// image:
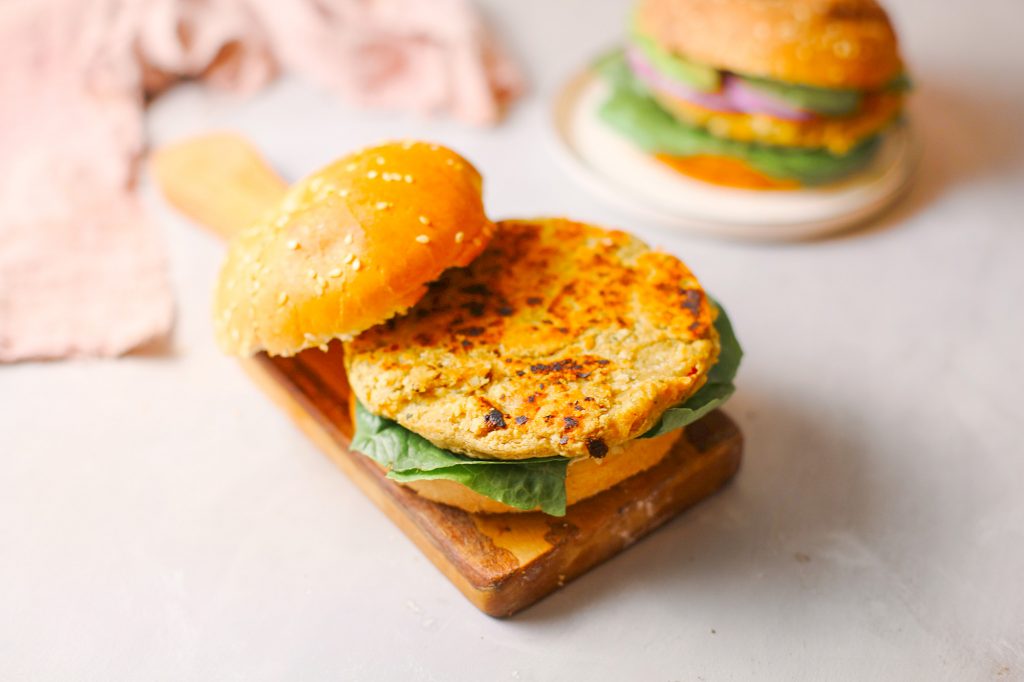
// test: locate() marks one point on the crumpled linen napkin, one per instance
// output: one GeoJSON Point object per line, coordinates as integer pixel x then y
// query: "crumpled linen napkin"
{"type": "Point", "coordinates": [82, 270]}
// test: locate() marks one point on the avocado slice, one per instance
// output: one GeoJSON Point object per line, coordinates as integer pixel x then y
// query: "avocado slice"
{"type": "Point", "coordinates": [697, 76]}
{"type": "Point", "coordinates": [825, 101]}
{"type": "Point", "coordinates": [632, 111]}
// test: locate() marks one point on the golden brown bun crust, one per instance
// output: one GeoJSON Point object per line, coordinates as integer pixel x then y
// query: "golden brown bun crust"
{"type": "Point", "coordinates": [561, 338]}
{"type": "Point", "coordinates": [825, 43]}
{"type": "Point", "coordinates": [350, 246]}
{"type": "Point", "coordinates": [586, 476]}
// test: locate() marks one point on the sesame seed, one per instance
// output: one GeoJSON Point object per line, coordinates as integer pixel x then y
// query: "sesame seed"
{"type": "Point", "coordinates": [408, 178]}
{"type": "Point", "coordinates": [335, 272]}
{"type": "Point", "coordinates": [371, 174]}
{"type": "Point", "coordinates": [450, 162]}
{"type": "Point", "coordinates": [348, 238]}
{"type": "Point", "coordinates": [282, 298]}
{"type": "Point", "coordinates": [343, 193]}
{"type": "Point", "coordinates": [382, 205]}
{"type": "Point", "coordinates": [316, 183]}
{"type": "Point", "coordinates": [350, 167]}
{"type": "Point", "coordinates": [424, 220]}
{"type": "Point", "coordinates": [348, 258]}
{"type": "Point", "coordinates": [323, 347]}
{"type": "Point", "coordinates": [407, 145]}
{"type": "Point", "coordinates": [380, 160]}
{"type": "Point", "coordinates": [293, 244]}
{"type": "Point", "coordinates": [433, 147]}
{"type": "Point", "coordinates": [459, 236]}
{"type": "Point", "coordinates": [356, 264]}
{"type": "Point", "coordinates": [423, 239]}
{"type": "Point", "coordinates": [309, 337]}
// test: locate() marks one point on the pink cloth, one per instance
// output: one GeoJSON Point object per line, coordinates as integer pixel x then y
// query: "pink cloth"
{"type": "Point", "coordinates": [82, 270]}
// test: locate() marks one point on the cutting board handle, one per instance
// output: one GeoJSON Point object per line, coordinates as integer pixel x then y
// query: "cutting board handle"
{"type": "Point", "coordinates": [219, 180]}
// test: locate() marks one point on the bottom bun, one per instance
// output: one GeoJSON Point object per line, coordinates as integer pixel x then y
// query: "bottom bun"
{"type": "Point", "coordinates": [586, 477]}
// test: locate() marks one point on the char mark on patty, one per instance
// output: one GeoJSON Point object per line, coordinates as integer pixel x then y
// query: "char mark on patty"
{"type": "Point", "coordinates": [597, 448]}
{"type": "Point", "coordinates": [556, 366]}
{"type": "Point", "coordinates": [494, 420]}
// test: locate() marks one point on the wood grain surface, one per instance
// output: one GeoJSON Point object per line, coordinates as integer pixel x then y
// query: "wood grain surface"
{"type": "Point", "coordinates": [501, 562]}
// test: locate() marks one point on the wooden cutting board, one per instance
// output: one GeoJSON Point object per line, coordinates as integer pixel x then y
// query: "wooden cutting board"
{"type": "Point", "coordinates": [501, 562]}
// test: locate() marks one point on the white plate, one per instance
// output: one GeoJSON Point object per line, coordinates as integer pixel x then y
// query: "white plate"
{"type": "Point", "coordinates": [618, 172]}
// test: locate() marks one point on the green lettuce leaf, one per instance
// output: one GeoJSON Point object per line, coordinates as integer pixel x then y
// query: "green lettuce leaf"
{"type": "Point", "coordinates": [635, 114]}
{"type": "Point", "coordinates": [525, 483]}
{"type": "Point", "coordinates": [718, 388]}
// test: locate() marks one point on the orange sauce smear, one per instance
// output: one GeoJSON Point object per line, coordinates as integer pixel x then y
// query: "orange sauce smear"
{"type": "Point", "coordinates": [724, 171]}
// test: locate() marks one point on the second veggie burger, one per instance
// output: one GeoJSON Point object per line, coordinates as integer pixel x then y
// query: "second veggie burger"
{"type": "Point", "coordinates": [763, 94]}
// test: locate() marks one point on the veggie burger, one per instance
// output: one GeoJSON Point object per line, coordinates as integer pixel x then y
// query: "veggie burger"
{"type": "Point", "coordinates": [762, 94]}
{"type": "Point", "coordinates": [524, 365]}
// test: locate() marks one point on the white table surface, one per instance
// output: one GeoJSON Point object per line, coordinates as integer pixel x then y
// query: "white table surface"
{"type": "Point", "coordinates": [160, 519]}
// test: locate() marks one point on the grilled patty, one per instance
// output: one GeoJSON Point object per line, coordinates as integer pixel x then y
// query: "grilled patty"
{"type": "Point", "coordinates": [561, 338]}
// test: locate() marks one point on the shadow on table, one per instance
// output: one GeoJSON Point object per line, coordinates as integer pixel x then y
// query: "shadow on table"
{"type": "Point", "coordinates": [968, 134]}
{"type": "Point", "coordinates": [802, 489]}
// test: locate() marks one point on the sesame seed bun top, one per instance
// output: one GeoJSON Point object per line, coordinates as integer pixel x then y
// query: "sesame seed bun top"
{"type": "Point", "coordinates": [825, 43]}
{"type": "Point", "coordinates": [350, 246]}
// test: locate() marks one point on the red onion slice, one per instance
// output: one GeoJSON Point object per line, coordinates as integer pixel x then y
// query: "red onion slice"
{"type": "Point", "coordinates": [734, 97]}
{"type": "Point", "coordinates": [751, 100]}
{"type": "Point", "coordinates": [646, 72]}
